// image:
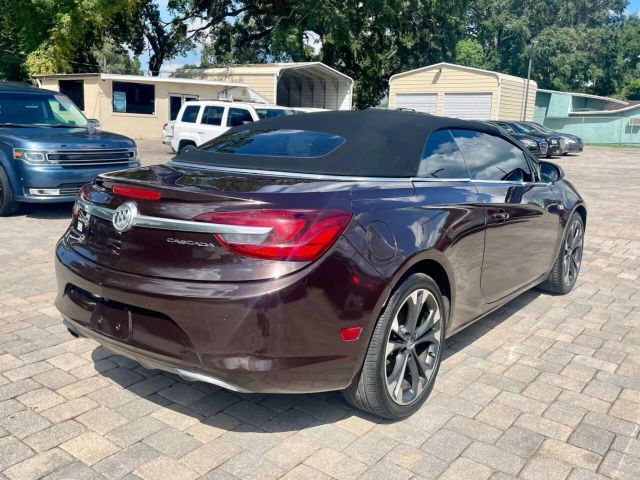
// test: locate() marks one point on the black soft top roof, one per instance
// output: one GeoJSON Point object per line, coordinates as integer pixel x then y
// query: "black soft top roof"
{"type": "Point", "coordinates": [379, 143]}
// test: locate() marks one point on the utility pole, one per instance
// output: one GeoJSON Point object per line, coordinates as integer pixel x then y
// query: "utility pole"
{"type": "Point", "coordinates": [526, 91]}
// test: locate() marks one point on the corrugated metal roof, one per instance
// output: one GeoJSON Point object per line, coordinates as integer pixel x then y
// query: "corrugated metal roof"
{"type": "Point", "coordinates": [461, 67]}
{"type": "Point", "coordinates": [269, 68]}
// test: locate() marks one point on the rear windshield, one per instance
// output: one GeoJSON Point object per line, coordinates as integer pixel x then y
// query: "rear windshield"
{"type": "Point", "coordinates": [275, 143]}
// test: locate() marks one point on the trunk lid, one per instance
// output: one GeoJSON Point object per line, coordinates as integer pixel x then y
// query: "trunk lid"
{"type": "Point", "coordinates": [186, 193]}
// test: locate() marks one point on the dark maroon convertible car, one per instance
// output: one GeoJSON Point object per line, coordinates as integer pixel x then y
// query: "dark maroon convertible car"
{"type": "Point", "coordinates": [328, 251]}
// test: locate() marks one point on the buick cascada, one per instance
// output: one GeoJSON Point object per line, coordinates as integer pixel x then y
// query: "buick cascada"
{"type": "Point", "coordinates": [328, 251]}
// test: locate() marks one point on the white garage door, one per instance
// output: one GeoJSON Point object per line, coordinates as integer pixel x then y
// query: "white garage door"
{"type": "Point", "coordinates": [469, 106]}
{"type": "Point", "coordinates": [420, 102]}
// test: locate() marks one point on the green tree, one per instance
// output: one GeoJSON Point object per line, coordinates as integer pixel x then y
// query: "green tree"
{"type": "Point", "coordinates": [368, 40]}
{"type": "Point", "coordinates": [45, 36]}
{"type": "Point", "coordinates": [470, 53]}
{"type": "Point", "coordinates": [113, 58]}
{"type": "Point", "coordinates": [631, 90]}
{"type": "Point", "coordinates": [578, 41]}
{"type": "Point", "coordinates": [177, 30]}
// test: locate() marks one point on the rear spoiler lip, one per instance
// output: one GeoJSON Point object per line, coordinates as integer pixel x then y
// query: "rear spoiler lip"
{"type": "Point", "coordinates": [162, 223]}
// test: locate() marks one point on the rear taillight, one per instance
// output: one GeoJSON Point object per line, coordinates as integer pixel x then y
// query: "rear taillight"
{"type": "Point", "coordinates": [295, 235]}
{"type": "Point", "coordinates": [136, 192]}
{"type": "Point", "coordinates": [83, 195]}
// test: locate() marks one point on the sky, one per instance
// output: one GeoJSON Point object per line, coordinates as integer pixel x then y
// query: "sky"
{"type": "Point", "coordinates": [193, 57]}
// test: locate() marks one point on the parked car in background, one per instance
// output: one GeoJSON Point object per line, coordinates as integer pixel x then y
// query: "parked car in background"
{"type": "Point", "coordinates": [167, 132]}
{"type": "Point", "coordinates": [48, 149]}
{"type": "Point", "coordinates": [536, 144]}
{"type": "Point", "coordinates": [574, 142]}
{"type": "Point", "coordinates": [203, 120]}
{"type": "Point", "coordinates": [328, 251]}
{"type": "Point", "coordinates": [557, 144]}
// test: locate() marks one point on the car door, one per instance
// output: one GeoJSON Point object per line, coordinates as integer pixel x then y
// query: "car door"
{"type": "Point", "coordinates": [521, 213]}
{"type": "Point", "coordinates": [455, 213]}
{"type": "Point", "coordinates": [210, 124]}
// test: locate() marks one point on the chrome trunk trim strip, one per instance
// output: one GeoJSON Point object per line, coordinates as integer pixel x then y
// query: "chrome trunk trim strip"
{"type": "Point", "coordinates": [160, 223]}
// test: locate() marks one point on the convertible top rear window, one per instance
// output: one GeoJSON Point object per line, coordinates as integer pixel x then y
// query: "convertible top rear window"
{"type": "Point", "coordinates": [276, 143]}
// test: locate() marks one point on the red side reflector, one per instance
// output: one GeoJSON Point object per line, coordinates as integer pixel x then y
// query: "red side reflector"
{"type": "Point", "coordinates": [350, 334]}
{"type": "Point", "coordinates": [136, 192]}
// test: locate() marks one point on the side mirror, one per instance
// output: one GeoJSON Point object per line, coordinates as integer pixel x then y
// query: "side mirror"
{"type": "Point", "coordinates": [94, 122]}
{"type": "Point", "coordinates": [550, 172]}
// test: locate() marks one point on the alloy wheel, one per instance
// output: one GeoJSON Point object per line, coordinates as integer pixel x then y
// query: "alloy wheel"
{"type": "Point", "coordinates": [572, 255]}
{"type": "Point", "coordinates": [413, 346]}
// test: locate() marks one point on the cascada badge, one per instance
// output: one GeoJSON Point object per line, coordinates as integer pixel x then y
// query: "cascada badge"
{"type": "Point", "coordinates": [124, 216]}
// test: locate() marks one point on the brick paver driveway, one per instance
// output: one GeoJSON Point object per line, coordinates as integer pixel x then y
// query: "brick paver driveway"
{"type": "Point", "coordinates": [546, 388]}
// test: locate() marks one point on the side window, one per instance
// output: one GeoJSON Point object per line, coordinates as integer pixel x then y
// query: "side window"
{"type": "Point", "coordinates": [212, 115]}
{"type": "Point", "coordinates": [441, 158]}
{"type": "Point", "coordinates": [238, 116]}
{"type": "Point", "coordinates": [492, 158]}
{"type": "Point", "coordinates": [190, 114]}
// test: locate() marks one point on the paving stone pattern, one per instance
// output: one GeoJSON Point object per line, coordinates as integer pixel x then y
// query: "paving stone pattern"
{"type": "Point", "coordinates": [545, 388]}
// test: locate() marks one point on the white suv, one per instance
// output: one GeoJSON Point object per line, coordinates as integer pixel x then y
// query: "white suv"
{"type": "Point", "coordinates": [201, 120]}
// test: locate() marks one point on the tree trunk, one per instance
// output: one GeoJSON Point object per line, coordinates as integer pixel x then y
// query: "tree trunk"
{"type": "Point", "coordinates": [155, 62]}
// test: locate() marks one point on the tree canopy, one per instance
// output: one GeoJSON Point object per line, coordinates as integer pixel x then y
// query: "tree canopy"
{"type": "Point", "coordinates": [578, 45]}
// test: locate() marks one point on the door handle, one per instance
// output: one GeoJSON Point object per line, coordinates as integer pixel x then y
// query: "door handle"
{"type": "Point", "coordinates": [500, 216]}
{"type": "Point", "coordinates": [201, 132]}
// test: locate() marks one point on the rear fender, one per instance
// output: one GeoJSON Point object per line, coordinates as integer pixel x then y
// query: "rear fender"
{"type": "Point", "coordinates": [409, 266]}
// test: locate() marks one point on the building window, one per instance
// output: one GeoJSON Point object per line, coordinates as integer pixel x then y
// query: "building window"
{"type": "Point", "coordinates": [131, 97]}
{"type": "Point", "coordinates": [74, 89]}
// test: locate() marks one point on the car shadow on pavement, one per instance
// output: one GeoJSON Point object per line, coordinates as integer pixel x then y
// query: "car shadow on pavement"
{"type": "Point", "coordinates": [187, 403]}
{"type": "Point", "coordinates": [470, 334]}
{"type": "Point", "coordinates": [54, 211]}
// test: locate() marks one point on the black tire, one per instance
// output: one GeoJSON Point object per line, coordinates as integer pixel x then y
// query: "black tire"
{"type": "Point", "coordinates": [185, 146]}
{"type": "Point", "coordinates": [8, 204]}
{"type": "Point", "coordinates": [370, 389]}
{"type": "Point", "coordinates": [566, 268]}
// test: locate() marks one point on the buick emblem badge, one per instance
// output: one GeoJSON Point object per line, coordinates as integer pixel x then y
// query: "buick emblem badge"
{"type": "Point", "coordinates": [124, 216]}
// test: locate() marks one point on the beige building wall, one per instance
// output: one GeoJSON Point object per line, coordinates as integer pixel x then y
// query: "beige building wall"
{"type": "Point", "coordinates": [98, 104]}
{"type": "Point", "coordinates": [507, 91]}
{"type": "Point", "coordinates": [512, 96]}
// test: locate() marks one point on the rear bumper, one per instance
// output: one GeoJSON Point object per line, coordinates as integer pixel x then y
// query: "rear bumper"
{"type": "Point", "coordinates": [145, 359]}
{"type": "Point", "coordinates": [276, 336]}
